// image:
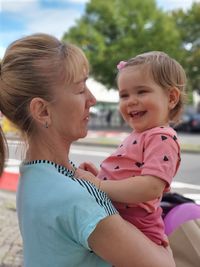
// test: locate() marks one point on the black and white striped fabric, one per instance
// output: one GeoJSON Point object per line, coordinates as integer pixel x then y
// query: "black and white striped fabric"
{"type": "Point", "coordinates": [100, 196]}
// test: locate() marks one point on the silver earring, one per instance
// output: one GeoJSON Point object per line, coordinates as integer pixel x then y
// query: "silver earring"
{"type": "Point", "coordinates": [46, 125]}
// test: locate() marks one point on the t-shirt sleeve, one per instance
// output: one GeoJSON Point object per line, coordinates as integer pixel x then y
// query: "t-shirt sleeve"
{"type": "Point", "coordinates": [87, 211]}
{"type": "Point", "coordinates": [161, 156]}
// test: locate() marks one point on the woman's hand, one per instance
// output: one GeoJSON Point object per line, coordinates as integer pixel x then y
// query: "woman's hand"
{"type": "Point", "coordinates": [86, 175]}
{"type": "Point", "coordinates": [89, 166]}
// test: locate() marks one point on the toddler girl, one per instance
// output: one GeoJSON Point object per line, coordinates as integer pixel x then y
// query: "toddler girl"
{"type": "Point", "coordinates": [151, 90]}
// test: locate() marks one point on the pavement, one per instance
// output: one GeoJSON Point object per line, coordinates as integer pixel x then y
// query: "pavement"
{"type": "Point", "coordinates": [112, 137]}
{"type": "Point", "coordinates": [10, 239]}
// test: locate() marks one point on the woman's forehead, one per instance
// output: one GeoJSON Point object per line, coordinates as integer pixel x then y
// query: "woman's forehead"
{"type": "Point", "coordinates": [82, 75]}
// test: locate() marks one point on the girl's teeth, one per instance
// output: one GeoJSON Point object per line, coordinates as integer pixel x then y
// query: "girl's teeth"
{"type": "Point", "coordinates": [137, 113]}
{"type": "Point", "coordinates": [134, 113]}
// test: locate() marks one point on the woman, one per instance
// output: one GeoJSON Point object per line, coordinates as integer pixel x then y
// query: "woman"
{"type": "Point", "coordinates": [63, 221]}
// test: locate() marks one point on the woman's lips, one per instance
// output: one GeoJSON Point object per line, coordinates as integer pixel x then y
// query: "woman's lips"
{"type": "Point", "coordinates": [86, 118]}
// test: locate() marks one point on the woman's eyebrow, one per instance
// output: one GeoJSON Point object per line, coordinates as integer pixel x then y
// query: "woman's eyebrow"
{"type": "Point", "coordinates": [84, 79]}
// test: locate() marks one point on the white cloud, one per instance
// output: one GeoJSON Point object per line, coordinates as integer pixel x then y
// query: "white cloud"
{"type": "Point", "coordinates": [8, 37]}
{"type": "Point", "coordinates": [2, 51]}
{"type": "Point", "coordinates": [174, 4]}
{"type": "Point", "coordinates": [53, 21]}
{"type": "Point", "coordinates": [77, 1]}
{"type": "Point", "coordinates": [15, 6]}
{"type": "Point", "coordinates": [19, 5]}
{"type": "Point", "coordinates": [35, 19]}
{"type": "Point", "coordinates": [50, 21]}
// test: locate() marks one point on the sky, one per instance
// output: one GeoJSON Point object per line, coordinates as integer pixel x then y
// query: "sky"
{"type": "Point", "coordinates": [23, 17]}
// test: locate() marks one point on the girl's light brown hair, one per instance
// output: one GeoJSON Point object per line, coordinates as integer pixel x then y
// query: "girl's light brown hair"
{"type": "Point", "coordinates": [166, 72]}
{"type": "Point", "coordinates": [34, 66]}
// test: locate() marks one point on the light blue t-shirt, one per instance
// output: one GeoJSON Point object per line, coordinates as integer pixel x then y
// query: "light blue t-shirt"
{"type": "Point", "coordinates": [57, 213]}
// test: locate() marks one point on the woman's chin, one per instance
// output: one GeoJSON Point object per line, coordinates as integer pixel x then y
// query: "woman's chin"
{"type": "Point", "coordinates": [83, 134]}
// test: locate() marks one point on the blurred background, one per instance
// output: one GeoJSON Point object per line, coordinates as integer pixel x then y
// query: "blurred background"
{"type": "Point", "coordinates": [110, 31]}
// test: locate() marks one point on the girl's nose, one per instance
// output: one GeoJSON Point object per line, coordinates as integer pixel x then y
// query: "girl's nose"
{"type": "Point", "coordinates": [133, 100]}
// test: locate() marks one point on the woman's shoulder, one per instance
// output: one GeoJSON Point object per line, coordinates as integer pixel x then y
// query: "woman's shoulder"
{"type": "Point", "coordinates": [61, 184]}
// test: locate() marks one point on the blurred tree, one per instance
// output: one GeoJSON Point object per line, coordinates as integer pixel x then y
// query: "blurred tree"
{"type": "Point", "coordinates": [115, 30]}
{"type": "Point", "coordinates": [188, 24]}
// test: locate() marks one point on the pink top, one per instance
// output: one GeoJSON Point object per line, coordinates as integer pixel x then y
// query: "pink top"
{"type": "Point", "coordinates": [154, 152]}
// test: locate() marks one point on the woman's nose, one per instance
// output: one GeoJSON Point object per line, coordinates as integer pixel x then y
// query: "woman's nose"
{"type": "Point", "coordinates": [91, 99]}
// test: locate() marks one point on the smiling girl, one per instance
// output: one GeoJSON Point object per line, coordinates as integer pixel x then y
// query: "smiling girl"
{"type": "Point", "coordinates": [152, 90]}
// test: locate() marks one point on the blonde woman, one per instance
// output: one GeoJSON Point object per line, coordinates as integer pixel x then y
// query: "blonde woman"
{"type": "Point", "coordinates": [64, 221]}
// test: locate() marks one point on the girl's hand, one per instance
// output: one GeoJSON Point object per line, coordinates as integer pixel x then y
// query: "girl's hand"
{"type": "Point", "coordinates": [89, 166]}
{"type": "Point", "coordinates": [88, 176]}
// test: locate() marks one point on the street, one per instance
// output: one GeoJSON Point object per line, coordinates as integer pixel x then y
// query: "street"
{"type": "Point", "coordinates": [186, 182]}
{"type": "Point", "coordinates": [188, 171]}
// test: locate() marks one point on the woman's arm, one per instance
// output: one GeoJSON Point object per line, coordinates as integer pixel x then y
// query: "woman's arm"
{"type": "Point", "coordinates": [123, 245]}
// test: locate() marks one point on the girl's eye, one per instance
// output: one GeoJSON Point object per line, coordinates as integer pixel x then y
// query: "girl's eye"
{"type": "Point", "coordinates": [123, 95]}
{"type": "Point", "coordinates": [140, 92]}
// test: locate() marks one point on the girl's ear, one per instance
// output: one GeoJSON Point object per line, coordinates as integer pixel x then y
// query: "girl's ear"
{"type": "Point", "coordinates": [39, 109]}
{"type": "Point", "coordinates": [174, 96]}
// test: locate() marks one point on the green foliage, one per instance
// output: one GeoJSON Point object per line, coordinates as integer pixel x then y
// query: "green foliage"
{"type": "Point", "coordinates": [115, 30]}
{"type": "Point", "coordinates": [188, 24]}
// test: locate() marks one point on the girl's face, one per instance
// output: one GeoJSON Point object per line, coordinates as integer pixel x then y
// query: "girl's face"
{"type": "Point", "coordinates": [70, 111]}
{"type": "Point", "coordinates": [143, 103]}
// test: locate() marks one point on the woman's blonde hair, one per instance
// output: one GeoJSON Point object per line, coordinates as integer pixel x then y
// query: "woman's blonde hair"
{"type": "Point", "coordinates": [166, 72]}
{"type": "Point", "coordinates": [34, 66]}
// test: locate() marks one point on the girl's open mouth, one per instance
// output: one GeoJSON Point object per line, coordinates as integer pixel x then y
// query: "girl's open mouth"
{"type": "Point", "coordinates": [137, 114]}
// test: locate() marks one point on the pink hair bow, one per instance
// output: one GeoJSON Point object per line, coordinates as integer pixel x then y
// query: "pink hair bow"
{"type": "Point", "coordinates": [121, 65]}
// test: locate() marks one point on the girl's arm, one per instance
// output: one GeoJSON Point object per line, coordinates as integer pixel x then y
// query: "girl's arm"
{"type": "Point", "coordinates": [134, 189]}
{"type": "Point", "coordinates": [131, 190]}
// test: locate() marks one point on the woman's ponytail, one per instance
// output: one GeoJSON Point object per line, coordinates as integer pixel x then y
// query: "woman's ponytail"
{"type": "Point", "coordinates": [2, 150]}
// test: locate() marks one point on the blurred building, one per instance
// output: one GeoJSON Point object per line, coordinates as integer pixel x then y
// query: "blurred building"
{"type": "Point", "coordinates": [196, 99]}
{"type": "Point", "coordinates": [105, 113]}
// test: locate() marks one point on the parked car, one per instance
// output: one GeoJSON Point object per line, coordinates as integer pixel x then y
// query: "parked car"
{"type": "Point", "coordinates": [190, 122]}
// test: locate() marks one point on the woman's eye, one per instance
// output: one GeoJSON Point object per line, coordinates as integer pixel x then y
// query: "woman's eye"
{"type": "Point", "coordinates": [82, 91]}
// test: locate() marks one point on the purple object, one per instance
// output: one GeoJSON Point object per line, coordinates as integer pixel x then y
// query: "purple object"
{"type": "Point", "coordinates": [179, 215]}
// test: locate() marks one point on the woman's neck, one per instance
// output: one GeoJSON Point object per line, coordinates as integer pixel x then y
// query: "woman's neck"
{"type": "Point", "coordinates": [48, 149]}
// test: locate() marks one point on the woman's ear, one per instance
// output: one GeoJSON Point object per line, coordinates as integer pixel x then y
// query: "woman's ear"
{"type": "Point", "coordinates": [174, 96]}
{"type": "Point", "coordinates": [39, 109]}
